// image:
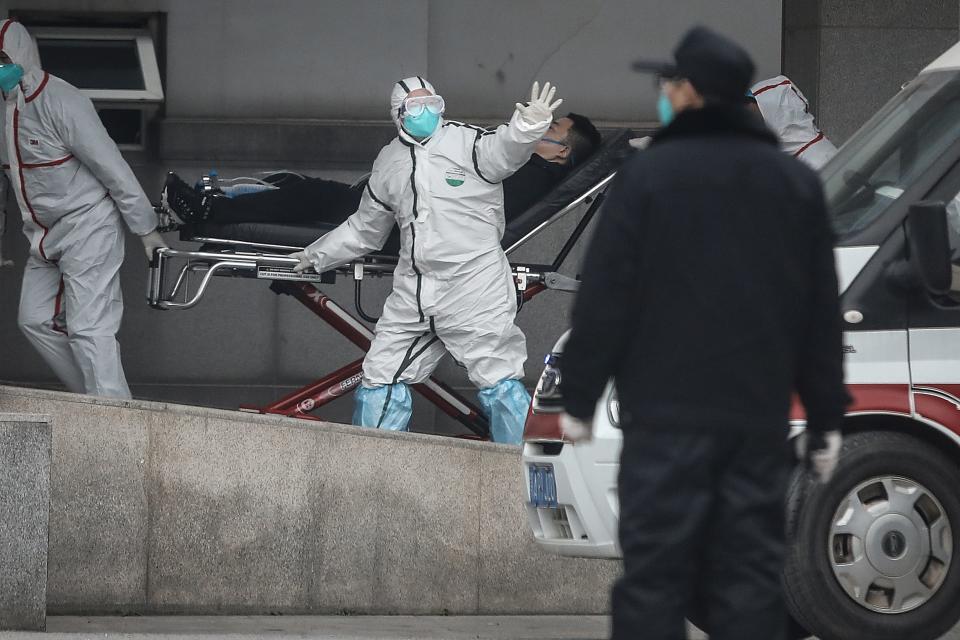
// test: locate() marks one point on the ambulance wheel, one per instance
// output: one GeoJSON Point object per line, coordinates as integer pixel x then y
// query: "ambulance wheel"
{"type": "Point", "coordinates": [875, 554]}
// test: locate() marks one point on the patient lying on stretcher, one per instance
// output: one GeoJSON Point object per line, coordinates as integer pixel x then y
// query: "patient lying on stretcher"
{"type": "Point", "coordinates": [569, 141]}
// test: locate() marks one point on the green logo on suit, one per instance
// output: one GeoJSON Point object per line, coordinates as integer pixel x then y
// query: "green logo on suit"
{"type": "Point", "coordinates": [455, 176]}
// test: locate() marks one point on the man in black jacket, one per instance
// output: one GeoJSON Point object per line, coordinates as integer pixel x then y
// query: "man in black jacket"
{"type": "Point", "coordinates": [568, 141]}
{"type": "Point", "coordinates": [709, 295]}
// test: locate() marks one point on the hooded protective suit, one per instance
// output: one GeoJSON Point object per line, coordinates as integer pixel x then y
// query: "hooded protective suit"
{"type": "Point", "coordinates": [73, 188]}
{"type": "Point", "coordinates": [787, 112]}
{"type": "Point", "coordinates": [452, 289]}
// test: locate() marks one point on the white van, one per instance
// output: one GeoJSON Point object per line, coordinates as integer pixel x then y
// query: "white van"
{"type": "Point", "coordinates": [876, 553]}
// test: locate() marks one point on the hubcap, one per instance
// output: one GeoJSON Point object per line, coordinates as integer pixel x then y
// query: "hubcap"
{"type": "Point", "coordinates": [890, 544]}
{"type": "Point", "coordinates": [894, 544]}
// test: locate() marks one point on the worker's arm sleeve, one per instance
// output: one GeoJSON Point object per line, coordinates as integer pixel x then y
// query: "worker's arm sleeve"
{"type": "Point", "coordinates": [819, 377]}
{"type": "Point", "coordinates": [90, 143]}
{"type": "Point", "coordinates": [601, 311]}
{"type": "Point", "coordinates": [498, 154]}
{"type": "Point", "coordinates": [365, 231]}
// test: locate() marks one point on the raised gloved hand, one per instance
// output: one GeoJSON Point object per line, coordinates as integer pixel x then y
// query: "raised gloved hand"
{"type": "Point", "coordinates": [153, 241]}
{"type": "Point", "coordinates": [304, 263]}
{"type": "Point", "coordinates": [575, 429]}
{"type": "Point", "coordinates": [820, 452]}
{"type": "Point", "coordinates": [539, 109]}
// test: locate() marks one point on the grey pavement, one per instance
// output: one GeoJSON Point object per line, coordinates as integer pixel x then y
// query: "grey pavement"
{"type": "Point", "coordinates": [553, 627]}
{"type": "Point", "coordinates": [321, 628]}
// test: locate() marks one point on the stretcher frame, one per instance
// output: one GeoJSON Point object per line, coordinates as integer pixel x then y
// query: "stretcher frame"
{"type": "Point", "coordinates": [223, 257]}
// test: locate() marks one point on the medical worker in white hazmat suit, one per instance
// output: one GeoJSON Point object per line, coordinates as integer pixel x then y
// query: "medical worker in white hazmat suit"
{"type": "Point", "coordinates": [786, 111]}
{"type": "Point", "coordinates": [453, 289]}
{"type": "Point", "coordinates": [74, 190]}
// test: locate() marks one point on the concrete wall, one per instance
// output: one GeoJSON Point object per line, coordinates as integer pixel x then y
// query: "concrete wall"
{"type": "Point", "coordinates": [338, 59]}
{"type": "Point", "coordinates": [162, 509]}
{"type": "Point", "coordinates": [24, 512]}
{"type": "Point", "coordinates": [851, 56]}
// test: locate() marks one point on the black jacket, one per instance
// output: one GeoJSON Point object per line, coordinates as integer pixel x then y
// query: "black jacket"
{"type": "Point", "coordinates": [709, 291]}
{"type": "Point", "coordinates": [531, 182]}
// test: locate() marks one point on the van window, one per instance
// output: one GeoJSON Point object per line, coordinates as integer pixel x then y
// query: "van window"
{"type": "Point", "coordinates": [892, 150]}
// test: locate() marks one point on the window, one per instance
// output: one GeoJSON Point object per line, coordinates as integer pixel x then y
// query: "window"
{"type": "Point", "coordinates": [125, 126]}
{"type": "Point", "coordinates": [114, 65]}
{"type": "Point", "coordinates": [882, 160]}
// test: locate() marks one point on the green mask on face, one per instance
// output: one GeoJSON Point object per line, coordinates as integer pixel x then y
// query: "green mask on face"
{"type": "Point", "coordinates": [10, 75]}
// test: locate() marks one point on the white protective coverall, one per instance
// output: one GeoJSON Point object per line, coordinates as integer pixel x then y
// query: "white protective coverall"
{"type": "Point", "coordinates": [74, 189]}
{"type": "Point", "coordinates": [452, 288]}
{"type": "Point", "coordinates": [787, 112]}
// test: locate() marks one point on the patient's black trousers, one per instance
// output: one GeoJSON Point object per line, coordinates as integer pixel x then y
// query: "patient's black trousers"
{"type": "Point", "coordinates": [304, 201]}
{"type": "Point", "coordinates": [702, 533]}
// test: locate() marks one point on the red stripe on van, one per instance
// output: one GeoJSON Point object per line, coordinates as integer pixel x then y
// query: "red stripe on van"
{"type": "Point", "coordinates": [868, 398]}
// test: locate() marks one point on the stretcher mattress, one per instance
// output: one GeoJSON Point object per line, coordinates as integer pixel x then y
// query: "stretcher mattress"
{"type": "Point", "coordinates": [601, 163]}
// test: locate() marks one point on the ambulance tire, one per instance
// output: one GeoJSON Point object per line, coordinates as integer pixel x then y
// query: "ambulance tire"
{"type": "Point", "coordinates": [815, 596]}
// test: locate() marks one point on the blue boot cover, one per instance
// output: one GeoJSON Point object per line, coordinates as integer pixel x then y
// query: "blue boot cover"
{"type": "Point", "coordinates": [505, 404]}
{"type": "Point", "coordinates": [387, 407]}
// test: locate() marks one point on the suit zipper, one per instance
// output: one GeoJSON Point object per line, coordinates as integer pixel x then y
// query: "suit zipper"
{"type": "Point", "coordinates": [413, 231]}
{"type": "Point", "coordinates": [413, 261]}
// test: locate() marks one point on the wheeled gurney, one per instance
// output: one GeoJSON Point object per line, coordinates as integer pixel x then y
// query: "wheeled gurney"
{"type": "Point", "coordinates": [178, 279]}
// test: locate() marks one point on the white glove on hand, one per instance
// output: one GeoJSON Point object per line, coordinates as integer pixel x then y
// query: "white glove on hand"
{"type": "Point", "coordinates": [304, 263]}
{"type": "Point", "coordinates": [575, 429]}
{"type": "Point", "coordinates": [820, 452]}
{"type": "Point", "coordinates": [153, 241]}
{"type": "Point", "coordinates": [539, 109]}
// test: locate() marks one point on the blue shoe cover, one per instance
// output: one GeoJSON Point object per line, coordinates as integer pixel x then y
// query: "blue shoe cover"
{"type": "Point", "coordinates": [385, 407]}
{"type": "Point", "coordinates": [506, 404]}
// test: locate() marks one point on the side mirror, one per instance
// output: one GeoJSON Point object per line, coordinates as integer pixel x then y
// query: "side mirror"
{"type": "Point", "coordinates": [929, 245]}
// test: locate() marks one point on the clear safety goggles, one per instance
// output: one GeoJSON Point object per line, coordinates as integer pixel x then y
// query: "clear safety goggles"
{"type": "Point", "coordinates": [417, 105]}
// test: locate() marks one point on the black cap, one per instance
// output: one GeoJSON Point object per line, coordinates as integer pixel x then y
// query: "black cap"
{"type": "Point", "coordinates": [717, 67]}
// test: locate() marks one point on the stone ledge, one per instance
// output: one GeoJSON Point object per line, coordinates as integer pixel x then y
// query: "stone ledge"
{"type": "Point", "coordinates": [163, 509]}
{"type": "Point", "coordinates": [25, 452]}
{"type": "Point", "coordinates": [240, 416]}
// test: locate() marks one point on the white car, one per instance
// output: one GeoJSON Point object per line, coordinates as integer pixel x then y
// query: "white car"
{"type": "Point", "coordinates": [875, 554]}
{"type": "Point", "coordinates": [572, 491]}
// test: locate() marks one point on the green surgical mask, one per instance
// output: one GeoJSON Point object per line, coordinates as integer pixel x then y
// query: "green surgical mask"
{"type": "Point", "coordinates": [10, 75]}
{"type": "Point", "coordinates": [422, 125]}
{"type": "Point", "coordinates": [664, 109]}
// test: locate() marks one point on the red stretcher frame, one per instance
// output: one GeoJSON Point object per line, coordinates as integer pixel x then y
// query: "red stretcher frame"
{"type": "Point", "coordinates": [344, 380]}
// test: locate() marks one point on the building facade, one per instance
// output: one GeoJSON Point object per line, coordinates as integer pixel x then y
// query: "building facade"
{"type": "Point", "coordinates": [248, 86]}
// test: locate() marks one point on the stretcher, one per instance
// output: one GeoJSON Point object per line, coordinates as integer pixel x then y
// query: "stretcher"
{"type": "Point", "coordinates": [178, 279]}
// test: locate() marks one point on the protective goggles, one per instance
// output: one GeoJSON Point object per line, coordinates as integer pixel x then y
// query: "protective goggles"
{"type": "Point", "coordinates": [416, 106]}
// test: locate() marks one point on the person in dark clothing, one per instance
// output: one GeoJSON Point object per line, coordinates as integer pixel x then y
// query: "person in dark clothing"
{"type": "Point", "coordinates": [709, 296]}
{"type": "Point", "coordinates": [569, 140]}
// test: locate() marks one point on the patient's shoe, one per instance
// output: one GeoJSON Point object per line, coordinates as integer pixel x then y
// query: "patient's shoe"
{"type": "Point", "coordinates": [183, 201]}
